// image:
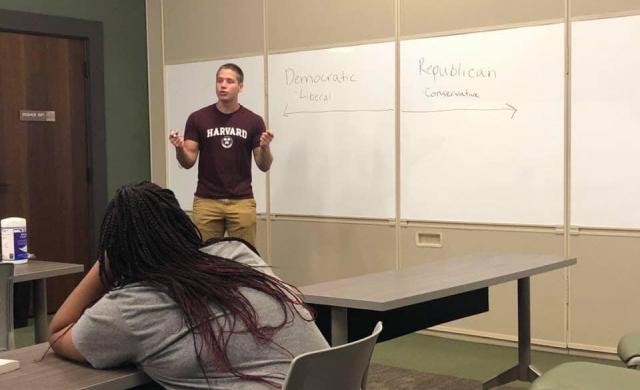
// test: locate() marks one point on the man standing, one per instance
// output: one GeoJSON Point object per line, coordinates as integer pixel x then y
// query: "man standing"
{"type": "Point", "coordinates": [224, 134]}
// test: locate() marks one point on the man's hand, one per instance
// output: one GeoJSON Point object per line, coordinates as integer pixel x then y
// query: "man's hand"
{"type": "Point", "coordinates": [262, 153]}
{"type": "Point", "coordinates": [186, 151]}
{"type": "Point", "coordinates": [265, 138]}
{"type": "Point", "coordinates": [177, 139]}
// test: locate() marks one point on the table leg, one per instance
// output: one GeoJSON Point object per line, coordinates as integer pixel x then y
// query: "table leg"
{"type": "Point", "coordinates": [40, 308]}
{"type": "Point", "coordinates": [339, 326]}
{"type": "Point", "coordinates": [523, 371]}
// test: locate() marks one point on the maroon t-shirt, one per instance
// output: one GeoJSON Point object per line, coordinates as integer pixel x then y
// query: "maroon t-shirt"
{"type": "Point", "coordinates": [226, 143]}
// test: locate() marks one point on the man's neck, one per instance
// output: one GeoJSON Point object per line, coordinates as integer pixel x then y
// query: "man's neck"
{"type": "Point", "coordinates": [228, 108]}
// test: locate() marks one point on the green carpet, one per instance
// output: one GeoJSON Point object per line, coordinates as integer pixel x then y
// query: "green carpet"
{"type": "Point", "coordinates": [462, 359]}
{"type": "Point", "coordinates": [393, 378]}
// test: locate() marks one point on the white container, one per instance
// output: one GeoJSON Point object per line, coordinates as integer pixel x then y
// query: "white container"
{"type": "Point", "coordinates": [13, 233]}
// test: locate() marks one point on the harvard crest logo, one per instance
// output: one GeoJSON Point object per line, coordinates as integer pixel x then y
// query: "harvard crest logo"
{"type": "Point", "coordinates": [226, 142]}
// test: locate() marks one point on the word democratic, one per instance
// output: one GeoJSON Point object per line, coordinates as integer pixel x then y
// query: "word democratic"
{"type": "Point", "coordinates": [294, 78]}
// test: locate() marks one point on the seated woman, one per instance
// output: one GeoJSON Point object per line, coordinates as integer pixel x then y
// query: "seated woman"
{"type": "Point", "coordinates": [188, 316]}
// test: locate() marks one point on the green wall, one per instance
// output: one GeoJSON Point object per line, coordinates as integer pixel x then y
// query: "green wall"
{"type": "Point", "coordinates": [125, 72]}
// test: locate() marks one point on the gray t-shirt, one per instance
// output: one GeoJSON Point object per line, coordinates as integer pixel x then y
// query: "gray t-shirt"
{"type": "Point", "coordinates": [142, 325]}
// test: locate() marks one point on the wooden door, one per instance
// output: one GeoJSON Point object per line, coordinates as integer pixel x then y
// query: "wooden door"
{"type": "Point", "coordinates": [44, 174]}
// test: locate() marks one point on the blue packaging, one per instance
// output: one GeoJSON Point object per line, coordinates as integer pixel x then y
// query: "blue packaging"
{"type": "Point", "coordinates": [14, 240]}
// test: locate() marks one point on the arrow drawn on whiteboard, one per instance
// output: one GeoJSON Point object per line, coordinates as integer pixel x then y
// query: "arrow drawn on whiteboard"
{"type": "Point", "coordinates": [508, 107]}
{"type": "Point", "coordinates": [287, 113]}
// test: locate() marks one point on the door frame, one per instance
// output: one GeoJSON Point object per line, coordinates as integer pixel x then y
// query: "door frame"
{"type": "Point", "coordinates": [91, 32]}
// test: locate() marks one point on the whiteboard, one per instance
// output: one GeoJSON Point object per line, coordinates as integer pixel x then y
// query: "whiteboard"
{"type": "Point", "coordinates": [605, 135]}
{"type": "Point", "coordinates": [482, 127]}
{"type": "Point", "coordinates": [332, 112]}
{"type": "Point", "coordinates": [190, 87]}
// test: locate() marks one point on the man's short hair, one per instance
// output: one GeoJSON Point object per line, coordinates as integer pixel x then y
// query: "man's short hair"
{"type": "Point", "coordinates": [234, 68]}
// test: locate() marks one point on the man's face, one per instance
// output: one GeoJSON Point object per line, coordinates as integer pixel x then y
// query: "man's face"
{"type": "Point", "coordinates": [227, 86]}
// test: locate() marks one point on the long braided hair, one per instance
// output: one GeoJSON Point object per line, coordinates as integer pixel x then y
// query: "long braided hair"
{"type": "Point", "coordinates": [147, 238]}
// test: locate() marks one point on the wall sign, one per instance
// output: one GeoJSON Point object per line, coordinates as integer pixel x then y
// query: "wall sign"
{"type": "Point", "coordinates": [37, 116]}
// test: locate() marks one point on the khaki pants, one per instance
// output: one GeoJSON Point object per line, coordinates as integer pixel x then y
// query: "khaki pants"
{"type": "Point", "coordinates": [235, 216]}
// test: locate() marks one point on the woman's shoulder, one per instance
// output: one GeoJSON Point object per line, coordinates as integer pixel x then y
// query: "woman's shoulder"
{"type": "Point", "coordinates": [137, 302]}
{"type": "Point", "coordinates": [238, 251]}
{"type": "Point", "coordinates": [135, 293]}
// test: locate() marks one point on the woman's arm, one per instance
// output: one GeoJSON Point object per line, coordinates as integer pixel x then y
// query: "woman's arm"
{"type": "Point", "coordinates": [86, 293]}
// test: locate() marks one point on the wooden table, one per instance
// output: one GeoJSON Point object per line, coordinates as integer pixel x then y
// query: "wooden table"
{"type": "Point", "coordinates": [38, 272]}
{"type": "Point", "coordinates": [55, 373]}
{"type": "Point", "coordinates": [386, 292]}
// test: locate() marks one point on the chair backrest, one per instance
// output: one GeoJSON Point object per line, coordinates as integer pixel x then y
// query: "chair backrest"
{"type": "Point", "coordinates": [629, 349]}
{"type": "Point", "coordinates": [6, 306]}
{"type": "Point", "coordinates": [340, 368]}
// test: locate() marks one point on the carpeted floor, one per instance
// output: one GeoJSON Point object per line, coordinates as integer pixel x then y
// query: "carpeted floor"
{"type": "Point", "coordinates": [392, 378]}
